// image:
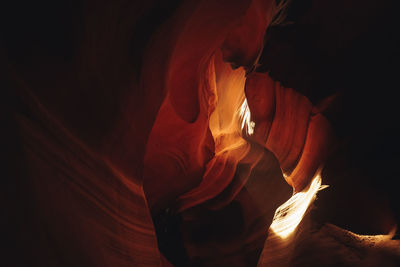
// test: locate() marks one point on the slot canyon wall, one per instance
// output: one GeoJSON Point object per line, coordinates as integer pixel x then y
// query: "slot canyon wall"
{"type": "Point", "coordinates": [168, 133]}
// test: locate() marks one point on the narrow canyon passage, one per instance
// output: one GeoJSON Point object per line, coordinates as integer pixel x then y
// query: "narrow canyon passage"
{"type": "Point", "coordinates": [200, 133]}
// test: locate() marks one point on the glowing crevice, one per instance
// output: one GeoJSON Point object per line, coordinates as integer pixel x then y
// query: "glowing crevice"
{"type": "Point", "coordinates": [289, 215]}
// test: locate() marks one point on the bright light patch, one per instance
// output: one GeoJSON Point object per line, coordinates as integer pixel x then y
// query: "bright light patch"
{"type": "Point", "coordinates": [245, 116]}
{"type": "Point", "coordinates": [288, 216]}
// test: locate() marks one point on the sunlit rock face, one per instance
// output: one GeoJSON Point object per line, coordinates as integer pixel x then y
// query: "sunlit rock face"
{"type": "Point", "coordinates": [172, 134]}
{"type": "Point", "coordinates": [288, 125]}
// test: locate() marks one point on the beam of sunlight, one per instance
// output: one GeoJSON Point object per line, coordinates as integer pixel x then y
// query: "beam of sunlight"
{"type": "Point", "coordinates": [245, 117]}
